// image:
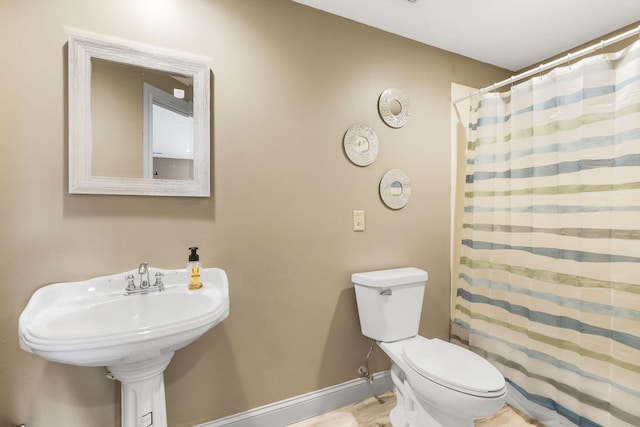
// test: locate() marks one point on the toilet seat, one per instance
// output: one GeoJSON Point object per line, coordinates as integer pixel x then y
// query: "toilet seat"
{"type": "Point", "coordinates": [453, 367]}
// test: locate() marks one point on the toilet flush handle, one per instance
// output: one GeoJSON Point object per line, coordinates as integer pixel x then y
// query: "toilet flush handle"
{"type": "Point", "coordinates": [386, 292]}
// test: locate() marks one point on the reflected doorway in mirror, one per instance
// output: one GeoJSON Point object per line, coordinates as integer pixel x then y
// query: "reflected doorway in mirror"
{"type": "Point", "coordinates": [167, 136]}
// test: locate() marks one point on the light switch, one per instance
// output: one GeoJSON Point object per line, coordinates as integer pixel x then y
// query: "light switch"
{"type": "Point", "coordinates": [358, 220]}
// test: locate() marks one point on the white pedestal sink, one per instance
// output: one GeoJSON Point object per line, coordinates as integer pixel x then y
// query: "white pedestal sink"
{"type": "Point", "coordinates": [93, 323]}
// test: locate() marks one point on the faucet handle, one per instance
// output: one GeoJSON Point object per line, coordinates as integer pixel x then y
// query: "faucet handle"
{"type": "Point", "coordinates": [130, 283]}
{"type": "Point", "coordinates": [159, 276]}
{"type": "Point", "coordinates": [143, 268]}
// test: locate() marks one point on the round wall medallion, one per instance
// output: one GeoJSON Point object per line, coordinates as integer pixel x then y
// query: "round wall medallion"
{"type": "Point", "coordinates": [395, 189]}
{"type": "Point", "coordinates": [361, 144]}
{"type": "Point", "coordinates": [393, 106]}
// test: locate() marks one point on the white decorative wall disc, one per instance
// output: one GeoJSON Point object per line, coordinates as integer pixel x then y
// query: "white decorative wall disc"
{"type": "Point", "coordinates": [395, 189]}
{"type": "Point", "coordinates": [361, 144]}
{"type": "Point", "coordinates": [393, 106]}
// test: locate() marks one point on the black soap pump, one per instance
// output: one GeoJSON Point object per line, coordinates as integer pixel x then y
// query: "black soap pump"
{"type": "Point", "coordinates": [193, 267]}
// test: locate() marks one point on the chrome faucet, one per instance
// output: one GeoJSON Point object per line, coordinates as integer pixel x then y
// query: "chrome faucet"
{"type": "Point", "coordinates": [142, 270]}
{"type": "Point", "coordinates": [145, 286]}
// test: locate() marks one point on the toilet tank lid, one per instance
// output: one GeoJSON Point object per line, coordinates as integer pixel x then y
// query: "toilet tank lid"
{"type": "Point", "coordinates": [391, 277]}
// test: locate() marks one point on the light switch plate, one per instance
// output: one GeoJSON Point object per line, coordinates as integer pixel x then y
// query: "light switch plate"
{"type": "Point", "coordinates": [358, 220]}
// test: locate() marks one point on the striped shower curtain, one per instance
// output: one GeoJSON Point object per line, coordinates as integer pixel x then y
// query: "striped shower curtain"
{"type": "Point", "coordinates": [548, 281]}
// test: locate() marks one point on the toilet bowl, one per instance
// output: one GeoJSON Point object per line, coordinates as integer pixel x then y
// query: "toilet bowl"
{"type": "Point", "coordinates": [437, 383]}
{"type": "Point", "coordinates": [452, 386]}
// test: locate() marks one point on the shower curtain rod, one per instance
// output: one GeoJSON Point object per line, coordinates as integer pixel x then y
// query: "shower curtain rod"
{"type": "Point", "coordinates": [543, 67]}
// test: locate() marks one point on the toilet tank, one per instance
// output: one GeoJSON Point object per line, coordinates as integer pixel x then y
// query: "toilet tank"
{"type": "Point", "coordinates": [390, 302]}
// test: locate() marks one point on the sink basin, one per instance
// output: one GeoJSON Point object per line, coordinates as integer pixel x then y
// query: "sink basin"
{"type": "Point", "coordinates": [93, 323]}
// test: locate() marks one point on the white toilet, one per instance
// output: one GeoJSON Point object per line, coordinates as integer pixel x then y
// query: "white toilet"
{"type": "Point", "coordinates": [437, 383]}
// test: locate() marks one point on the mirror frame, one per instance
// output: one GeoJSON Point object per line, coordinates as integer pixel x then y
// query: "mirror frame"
{"type": "Point", "coordinates": [82, 47]}
{"type": "Point", "coordinates": [386, 99]}
{"type": "Point", "coordinates": [388, 195]}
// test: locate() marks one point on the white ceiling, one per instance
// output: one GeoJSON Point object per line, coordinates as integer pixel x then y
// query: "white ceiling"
{"type": "Point", "coordinates": [511, 34]}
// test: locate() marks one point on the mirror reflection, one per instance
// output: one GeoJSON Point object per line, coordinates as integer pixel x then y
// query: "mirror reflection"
{"type": "Point", "coordinates": [142, 122]}
{"type": "Point", "coordinates": [362, 144]}
{"type": "Point", "coordinates": [168, 134]}
{"type": "Point", "coordinates": [395, 107]}
{"type": "Point", "coordinates": [395, 188]}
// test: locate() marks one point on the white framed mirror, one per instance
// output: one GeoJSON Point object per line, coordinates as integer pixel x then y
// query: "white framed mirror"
{"type": "Point", "coordinates": [138, 119]}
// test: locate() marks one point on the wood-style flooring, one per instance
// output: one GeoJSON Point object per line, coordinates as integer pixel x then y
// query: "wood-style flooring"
{"type": "Point", "coordinates": [371, 413]}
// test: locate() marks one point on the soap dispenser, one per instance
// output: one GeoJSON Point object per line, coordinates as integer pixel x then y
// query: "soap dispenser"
{"type": "Point", "coordinates": [193, 268]}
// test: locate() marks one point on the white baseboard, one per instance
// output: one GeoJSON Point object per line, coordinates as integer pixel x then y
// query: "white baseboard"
{"type": "Point", "coordinates": [308, 405]}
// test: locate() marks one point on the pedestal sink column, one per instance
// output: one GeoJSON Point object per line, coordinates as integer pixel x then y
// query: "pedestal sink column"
{"type": "Point", "coordinates": [143, 401]}
{"type": "Point", "coordinates": [95, 323]}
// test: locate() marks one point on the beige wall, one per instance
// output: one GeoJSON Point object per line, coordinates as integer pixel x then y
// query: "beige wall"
{"type": "Point", "coordinates": [288, 81]}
